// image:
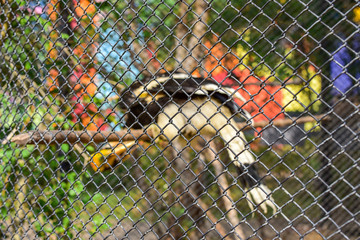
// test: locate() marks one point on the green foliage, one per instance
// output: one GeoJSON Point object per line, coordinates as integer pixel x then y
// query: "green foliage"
{"type": "Point", "coordinates": [9, 115]}
{"type": "Point", "coordinates": [29, 51]}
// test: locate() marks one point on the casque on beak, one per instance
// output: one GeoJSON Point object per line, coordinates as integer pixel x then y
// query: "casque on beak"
{"type": "Point", "coordinates": [107, 158]}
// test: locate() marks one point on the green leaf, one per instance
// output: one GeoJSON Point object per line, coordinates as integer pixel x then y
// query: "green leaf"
{"type": "Point", "coordinates": [26, 153]}
{"type": "Point", "coordinates": [37, 226]}
{"type": "Point", "coordinates": [27, 66]}
{"type": "Point", "coordinates": [66, 222]}
{"type": "Point", "coordinates": [8, 154]}
{"type": "Point", "coordinates": [65, 36]}
{"type": "Point", "coordinates": [60, 229]}
{"type": "Point", "coordinates": [54, 202]}
{"type": "Point", "coordinates": [60, 193]}
{"type": "Point", "coordinates": [60, 213]}
{"type": "Point", "coordinates": [72, 193]}
{"type": "Point", "coordinates": [98, 198]}
{"type": "Point", "coordinates": [78, 187]}
{"type": "Point", "coordinates": [4, 212]}
{"type": "Point", "coordinates": [90, 148]}
{"type": "Point", "coordinates": [65, 147]}
{"type": "Point", "coordinates": [85, 198]}
{"type": "Point", "coordinates": [72, 176]}
{"type": "Point", "coordinates": [48, 229]}
{"type": "Point", "coordinates": [98, 219]}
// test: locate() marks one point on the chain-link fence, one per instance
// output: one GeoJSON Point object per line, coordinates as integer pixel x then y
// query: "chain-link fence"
{"type": "Point", "coordinates": [179, 119]}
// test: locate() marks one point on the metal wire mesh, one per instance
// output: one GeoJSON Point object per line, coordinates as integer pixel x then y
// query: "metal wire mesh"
{"type": "Point", "coordinates": [64, 66]}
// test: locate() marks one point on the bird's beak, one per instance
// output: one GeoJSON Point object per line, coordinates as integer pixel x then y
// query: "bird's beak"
{"type": "Point", "coordinates": [107, 158]}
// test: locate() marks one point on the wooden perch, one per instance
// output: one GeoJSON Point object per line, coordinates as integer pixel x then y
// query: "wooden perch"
{"type": "Point", "coordinates": [65, 136]}
{"type": "Point", "coordinates": [286, 122]}
{"type": "Point", "coordinates": [73, 137]}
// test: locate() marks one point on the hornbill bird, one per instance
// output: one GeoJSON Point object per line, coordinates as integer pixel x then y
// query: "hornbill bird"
{"type": "Point", "coordinates": [178, 105]}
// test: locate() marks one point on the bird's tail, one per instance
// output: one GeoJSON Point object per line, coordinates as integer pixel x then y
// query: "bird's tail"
{"type": "Point", "coordinates": [259, 194]}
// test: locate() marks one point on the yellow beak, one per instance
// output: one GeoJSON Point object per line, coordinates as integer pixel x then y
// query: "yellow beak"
{"type": "Point", "coordinates": [108, 157]}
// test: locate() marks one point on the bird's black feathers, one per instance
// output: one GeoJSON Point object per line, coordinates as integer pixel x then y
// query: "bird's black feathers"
{"type": "Point", "coordinates": [145, 99]}
{"type": "Point", "coordinates": [142, 113]}
{"type": "Point", "coordinates": [248, 175]}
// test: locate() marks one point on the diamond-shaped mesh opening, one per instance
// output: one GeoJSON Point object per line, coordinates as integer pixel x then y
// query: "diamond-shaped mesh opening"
{"type": "Point", "coordinates": [179, 119]}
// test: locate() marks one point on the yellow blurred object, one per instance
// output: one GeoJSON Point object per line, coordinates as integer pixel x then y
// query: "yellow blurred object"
{"type": "Point", "coordinates": [299, 97]}
{"type": "Point", "coordinates": [357, 14]}
{"type": "Point", "coordinates": [107, 158]}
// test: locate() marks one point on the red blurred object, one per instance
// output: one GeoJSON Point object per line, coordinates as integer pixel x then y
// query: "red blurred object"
{"type": "Point", "coordinates": [263, 101]}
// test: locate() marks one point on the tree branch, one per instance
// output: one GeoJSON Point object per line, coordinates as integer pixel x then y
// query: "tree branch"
{"type": "Point", "coordinates": [189, 51]}
{"type": "Point", "coordinates": [229, 203]}
{"type": "Point", "coordinates": [72, 137]}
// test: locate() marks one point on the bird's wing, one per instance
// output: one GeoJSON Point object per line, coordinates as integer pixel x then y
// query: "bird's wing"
{"type": "Point", "coordinates": [176, 84]}
{"type": "Point", "coordinates": [180, 86]}
{"type": "Point", "coordinates": [226, 96]}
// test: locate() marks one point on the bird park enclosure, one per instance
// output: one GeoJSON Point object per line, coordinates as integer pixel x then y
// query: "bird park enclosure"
{"type": "Point", "coordinates": [191, 119]}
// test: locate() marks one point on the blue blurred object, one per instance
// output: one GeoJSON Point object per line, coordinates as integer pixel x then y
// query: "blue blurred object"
{"type": "Point", "coordinates": [345, 68]}
{"type": "Point", "coordinates": [114, 56]}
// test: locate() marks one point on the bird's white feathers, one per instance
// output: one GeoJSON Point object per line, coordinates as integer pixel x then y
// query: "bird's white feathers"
{"type": "Point", "coordinates": [232, 93]}
{"type": "Point", "coordinates": [261, 196]}
{"type": "Point", "coordinates": [199, 117]}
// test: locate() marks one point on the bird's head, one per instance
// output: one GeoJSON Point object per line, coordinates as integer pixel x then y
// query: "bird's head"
{"type": "Point", "coordinates": [107, 158]}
